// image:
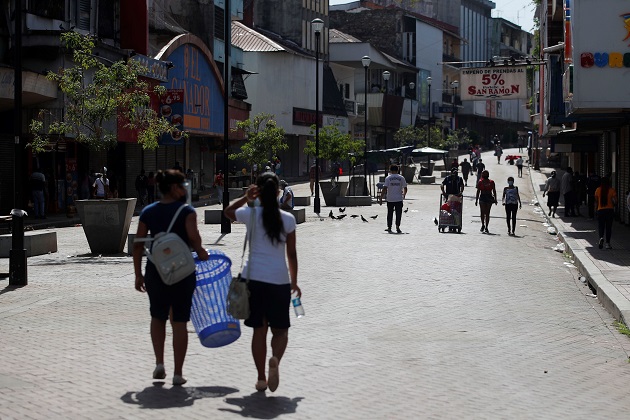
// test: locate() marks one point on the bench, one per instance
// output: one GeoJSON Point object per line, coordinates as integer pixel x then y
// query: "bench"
{"type": "Point", "coordinates": [302, 201]}
{"type": "Point", "coordinates": [299, 214]}
{"type": "Point", "coordinates": [427, 180]}
{"type": "Point", "coordinates": [35, 242]}
{"type": "Point", "coordinates": [354, 201]}
{"type": "Point", "coordinates": [212, 216]}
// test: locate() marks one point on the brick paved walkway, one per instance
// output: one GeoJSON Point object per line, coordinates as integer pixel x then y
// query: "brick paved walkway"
{"type": "Point", "coordinates": [417, 325]}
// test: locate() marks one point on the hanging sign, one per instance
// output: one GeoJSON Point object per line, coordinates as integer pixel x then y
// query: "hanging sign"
{"type": "Point", "coordinates": [172, 108]}
{"type": "Point", "coordinates": [493, 83]}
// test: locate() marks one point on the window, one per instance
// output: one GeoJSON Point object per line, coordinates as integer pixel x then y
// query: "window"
{"type": "Point", "coordinates": [346, 91]}
{"type": "Point", "coordinates": [219, 23]}
{"type": "Point", "coordinates": [52, 9]}
{"type": "Point", "coordinates": [108, 24]}
{"type": "Point", "coordinates": [84, 11]}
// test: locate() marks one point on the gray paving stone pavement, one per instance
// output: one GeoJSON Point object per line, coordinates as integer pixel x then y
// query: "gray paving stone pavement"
{"type": "Point", "coordinates": [414, 325]}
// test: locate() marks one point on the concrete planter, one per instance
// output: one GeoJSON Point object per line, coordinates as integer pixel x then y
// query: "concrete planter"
{"type": "Point", "coordinates": [408, 173]}
{"type": "Point", "coordinates": [106, 223]}
{"type": "Point", "coordinates": [330, 194]}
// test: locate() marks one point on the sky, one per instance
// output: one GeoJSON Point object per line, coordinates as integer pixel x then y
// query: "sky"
{"type": "Point", "coordinates": [520, 12]}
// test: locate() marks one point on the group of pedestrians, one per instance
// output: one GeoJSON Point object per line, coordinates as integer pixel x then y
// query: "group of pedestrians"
{"type": "Point", "coordinates": [597, 191]}
{"type": "Point", "coordinates": [271, 265]}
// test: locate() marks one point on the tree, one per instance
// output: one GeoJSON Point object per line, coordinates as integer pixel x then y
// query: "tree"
{"type": "Point", "coordinates": [408, 136]}
{"type": "Point", "coordinates": [95, 95]}
{"type": "Point", "coordinates": [264, 140]}
{"type": "Point", "coordinates": [333, 144]}
{"type": "Point", "coordinates": [455, 139]}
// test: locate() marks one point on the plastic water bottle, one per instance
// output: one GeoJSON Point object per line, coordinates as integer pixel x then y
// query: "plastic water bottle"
{"type": "Point", "coordinates": [297, 305]}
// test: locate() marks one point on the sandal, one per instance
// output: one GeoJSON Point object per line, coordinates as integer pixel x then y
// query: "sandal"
{"type": "Point", "coordinates": [179, 380]}
{"type": "Point", "coordinates": [261, 385]}
{"type": "Point", "coordinates": [274, 374]}
{"type": "Point", "coordinates": [159, 372]}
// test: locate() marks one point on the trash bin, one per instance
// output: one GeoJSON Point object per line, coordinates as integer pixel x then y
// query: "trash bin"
{"type": "Point", "coordinates": [214, 326]}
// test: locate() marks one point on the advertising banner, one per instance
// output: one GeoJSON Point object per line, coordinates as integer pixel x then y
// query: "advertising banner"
{"type": "Point", "coordinates": [172, 108]}
{"type": "Point", "coordinates": [492, 83]}
{"type": "Point", "coordinates": [601, 55]}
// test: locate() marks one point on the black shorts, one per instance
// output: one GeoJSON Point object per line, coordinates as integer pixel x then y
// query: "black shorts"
{"type": "Point", "coordinates": [270, 301]}
{"type": "Point", "coordinates": [163, 297]}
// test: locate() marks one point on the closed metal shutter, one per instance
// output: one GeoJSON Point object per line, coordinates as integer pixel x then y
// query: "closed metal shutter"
{"type": "Point", "coordinates": [603, 155]}
{"type": "Point", "coordinates": [133, 165]}
{"type": "Point", "coordinates": [97, 160]}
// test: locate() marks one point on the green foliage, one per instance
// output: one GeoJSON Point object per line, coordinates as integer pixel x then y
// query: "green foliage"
{"type": "Point", "coordinates": [407, 136]}
{"type": "Point", "coordinates": [622, 328]}
{"type": "Point", "coordinates": [455, 139]}
{"type": "Point", "coordinates": [333, 144]}
{"type": "Point", "coordinates": [418, 137]}
{"type": "Point", "coordinates": [96, 95]}
{"type": "Point", "coordinates": [264, 140]}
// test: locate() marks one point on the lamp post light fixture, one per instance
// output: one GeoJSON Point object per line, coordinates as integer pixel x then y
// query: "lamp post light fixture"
{"type": "Point", "coordinates": [366, 63]}
{"type": "Point", "coordinates": [454, 85]}
{"type": "Point", "coordinates": [412, 86]}
{"type": "Point", "coordinates": [429, 125]}
{"type": "Point", "coordinates": [386, 75]}
{"type": "Point", "coordinates": [318, 25]}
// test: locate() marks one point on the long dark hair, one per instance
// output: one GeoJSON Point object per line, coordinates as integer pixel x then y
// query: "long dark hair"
{"type": "Point", "coordinates": [272, 221]}
{"type": "Point", "coordinates": [167, 178]}
{"type": "Point", "coordinates": [603, 192]}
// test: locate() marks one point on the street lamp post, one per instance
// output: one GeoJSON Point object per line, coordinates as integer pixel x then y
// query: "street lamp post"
{"type": "Point", "coordinates": [454, 85]}
{"type": "Point", "coordinates": [318, 25]}
{"type": "Point", "coordinates": [366, 63]}
{"type": "Point", "coordinates": [386, 75]}
{"type": "Point", "coordinates": [429, 125]}
{"type": "Point", "coordinates": [412, 86]}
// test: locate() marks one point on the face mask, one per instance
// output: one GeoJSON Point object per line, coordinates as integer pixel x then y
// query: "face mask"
{"type": "Point", "coordinates": [510, 183]}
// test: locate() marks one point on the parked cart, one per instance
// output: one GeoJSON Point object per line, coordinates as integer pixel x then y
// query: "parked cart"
{"type": "Point", "coordinates": [450, 213]}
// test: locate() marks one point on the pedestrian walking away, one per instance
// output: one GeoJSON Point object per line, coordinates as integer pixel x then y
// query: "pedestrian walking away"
{"type": "Point", "coordinates": [512, 201]}
{"type": "Point", "coordinates": [485, 198]}
{"type": "Point", "coordinates": [394, 191]}
{"type": "Point", "coordinates": [552, 190]}
{"type": "Point", "coordinates": [466, 167]}
{"type": "Point", "coordinates": [219, 182]}
{"type": "Point", "coordinates": [498, 151]}
{"type": "Point", "coordinates": [480, 168]}
{"type": "Point", "coordinates": [566, 189]}
{"type": "Point", "coordinates": [38, 189]}
{"type": "Point", "coordinates": [606, 200]}
{"type": "Point", "coordinates": [519, 166]}
{"type": "Point", "coordinates": [271, 282]}
{"type": "Point", "coordinates": [592, 183]}
{"type": "Point", "coordinates": [311, 175]}
{"type": "Point", "coordinates": [168, 301]}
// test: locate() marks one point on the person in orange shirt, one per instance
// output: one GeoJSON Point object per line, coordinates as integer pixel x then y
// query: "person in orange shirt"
{"type": "Point", "coordinates": [605, 202]}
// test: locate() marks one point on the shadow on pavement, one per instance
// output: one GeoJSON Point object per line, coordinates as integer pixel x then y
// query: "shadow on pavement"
{"type": "Point", "coordinates": [258, 405]}
{"type": "Point", "coordinates": [9, 288]}
{"type": "Point", "coordinates": [158, 397]}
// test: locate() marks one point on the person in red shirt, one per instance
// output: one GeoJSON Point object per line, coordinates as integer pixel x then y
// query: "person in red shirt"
{"type": "Point", "coordinates": [486, 197]}
{"type": "Point", "coordinates": [218, 183]}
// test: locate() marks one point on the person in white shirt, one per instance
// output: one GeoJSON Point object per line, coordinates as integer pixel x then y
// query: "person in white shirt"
{"type": "Point", "coordinates": [101, 186]}
{"type": "Point", "coordinates": [271, 268]}
{"type": "Point", "coordinates": [519, 166]}
{"type": "Point", "coordinates": [394, 190]}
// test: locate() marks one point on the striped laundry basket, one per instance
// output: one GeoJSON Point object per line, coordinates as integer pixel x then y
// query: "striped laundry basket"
{"type": "Point", "coordinates": [214, 326]}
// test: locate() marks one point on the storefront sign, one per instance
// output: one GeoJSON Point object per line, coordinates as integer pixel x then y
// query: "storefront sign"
{"type": "Point", "coordinates": [505, 82]}
{"type": "Point", "coordinates": [601, 55]}
{"type": "Point", "coordinates": [172, 108]}
{"type": "Point", "coordinates": [203, 97]}
{"type": "Point", "coordinates": [155, 69]}
{"type": "Point", "coordinates": [305, 117]}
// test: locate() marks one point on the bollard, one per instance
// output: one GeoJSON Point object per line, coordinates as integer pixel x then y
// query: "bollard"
{"type": "Point", "coordinates": [17, 254]}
